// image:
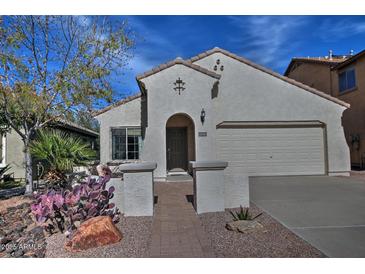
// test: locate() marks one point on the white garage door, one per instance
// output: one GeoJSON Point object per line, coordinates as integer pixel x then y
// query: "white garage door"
{"type": "Point", "coordinates": [272, 150]}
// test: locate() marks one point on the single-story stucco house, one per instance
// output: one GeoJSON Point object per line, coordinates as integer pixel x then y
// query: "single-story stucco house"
{"type": "Point", "coordinates": [12, 147]}
{"type": "Point", "coordinates": [220, 106]}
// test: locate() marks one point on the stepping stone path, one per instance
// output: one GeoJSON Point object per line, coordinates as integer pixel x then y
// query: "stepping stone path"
{"type": "Point", "coordinates": [176, 229]}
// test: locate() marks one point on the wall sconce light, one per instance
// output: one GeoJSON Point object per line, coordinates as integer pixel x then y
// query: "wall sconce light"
{"type": "Point", "coordinates": [202, 116]}
{"type": "Point", "coordinates": [355, 141]}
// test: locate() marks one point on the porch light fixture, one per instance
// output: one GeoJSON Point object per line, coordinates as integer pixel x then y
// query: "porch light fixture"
{"type": "Point", "coordinates": [202, 116]}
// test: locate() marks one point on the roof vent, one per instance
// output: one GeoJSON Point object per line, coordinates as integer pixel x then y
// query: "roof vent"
{"type": "Point", "coordinates": [331, 54]}
{"type": "Point", "coordinates": [178, 58]}
{"type": "Point", "coordinates": [351, 52]}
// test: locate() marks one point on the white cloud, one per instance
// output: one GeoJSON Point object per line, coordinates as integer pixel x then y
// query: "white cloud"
{"type": "Point", "coordinates": [140, 64]}
{"type": "Point", "coordinates": [265, 39]}
{"type": "Point", "coordinates": [153, 47]}
{"type": "Point", "coordinates": [334, 28]}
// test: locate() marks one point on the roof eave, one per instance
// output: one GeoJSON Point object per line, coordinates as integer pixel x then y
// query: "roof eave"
{"type": "Point", "coordinates": [75, 127]}
{"type": "Point", "coordinates": [349, 61]}
{"type": "Point", "coordinates": [177, 62]}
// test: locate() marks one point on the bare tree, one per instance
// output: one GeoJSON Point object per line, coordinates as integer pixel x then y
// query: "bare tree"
{"type": "Point", "coordinates": [53, 67]}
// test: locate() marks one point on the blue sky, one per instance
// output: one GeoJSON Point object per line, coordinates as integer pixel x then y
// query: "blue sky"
{"type": "Point", "coordinates": [267, 40]}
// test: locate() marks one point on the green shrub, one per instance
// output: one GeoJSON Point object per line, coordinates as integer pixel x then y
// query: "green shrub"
{"type": "Point", "coordinates": [243, 214]}
{"type": "Point", "coordinates": [11, 184]}
{"type": "Point", "coordinates": [60, 152]}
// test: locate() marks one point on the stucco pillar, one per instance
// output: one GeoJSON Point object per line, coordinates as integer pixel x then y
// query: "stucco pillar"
{"type": "Point", "coordinates": [138, 188]}
{"type": "Point", "coordinates": [208, 185]}
{"type": "Point", "coordinates": [236, 191]}
{"type": "Point", "coordinates": [118, 198]}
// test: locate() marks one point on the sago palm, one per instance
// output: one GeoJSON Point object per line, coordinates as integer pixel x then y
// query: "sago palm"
{"type": "Point", "coordinates": [60, 152]}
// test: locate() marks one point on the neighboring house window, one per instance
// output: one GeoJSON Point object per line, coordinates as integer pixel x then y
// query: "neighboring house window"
{"type": "Point", "coordinates": [347, 80]}
{"type": "Point", "coordinates": [126, 143]}
{"type": "Point", "coordinates": [2, 150]}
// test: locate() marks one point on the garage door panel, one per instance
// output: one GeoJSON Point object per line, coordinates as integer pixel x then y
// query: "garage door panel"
{"type": "Point", "coordinates": [272, 151]}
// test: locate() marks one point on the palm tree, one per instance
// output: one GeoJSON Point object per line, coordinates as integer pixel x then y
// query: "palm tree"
{"type": "Point", "coordinates": [60, 152]}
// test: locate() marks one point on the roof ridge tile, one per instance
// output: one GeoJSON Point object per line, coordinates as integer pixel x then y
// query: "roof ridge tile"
{"type": "Point", "coordinates": [177, 62]}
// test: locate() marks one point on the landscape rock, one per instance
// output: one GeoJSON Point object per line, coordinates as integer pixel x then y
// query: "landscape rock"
{"type": "Point", "coordinates": [97, 231]}
{"type": "Point", "coordinates": [5, 240]}
{"type": "Point", "coordinates": [19, 253]}
{"type": "Point", "coordinates": [243, 226]}
{"type": "Point", "coordinates": [19, 234]}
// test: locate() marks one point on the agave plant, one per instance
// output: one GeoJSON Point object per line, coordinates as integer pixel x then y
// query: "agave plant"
{"type": "Point", "coordinates": [60, 152]}
{"type": "Point", "coordinates": [243, 214]}
{"type": "Point", "coordinates": [63, 210]}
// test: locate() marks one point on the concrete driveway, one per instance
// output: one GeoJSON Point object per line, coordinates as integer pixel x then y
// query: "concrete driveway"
{"type": "Point", "coordinates": [327, 212]}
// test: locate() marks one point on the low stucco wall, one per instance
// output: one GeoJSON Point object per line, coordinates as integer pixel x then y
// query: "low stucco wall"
{"type": "Point", "coordinates": [138, 189]}
{"type": "Point", "coordinates": [214, 190]}
{"type": "Point", "coordinates": [118, 198]}
{"type": "Point", "coordinates": [236, 191]}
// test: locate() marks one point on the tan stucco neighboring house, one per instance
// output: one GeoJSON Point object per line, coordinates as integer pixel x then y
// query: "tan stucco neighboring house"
{"type": "Point", "coordinates": [340, 76]}
{"type": "Point", "coordinates": [12, 148]}
{"type": "Point", "coordinates": [220, 106]}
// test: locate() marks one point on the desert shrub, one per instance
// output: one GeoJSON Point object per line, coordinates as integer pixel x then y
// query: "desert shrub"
{"type": "Point", "coordinates": [64, 210]}
{"type": "Point", "coordinates": [61, 153]}
{"type": "Point", "coordinates": [243, 214]}
{"type": "Point", "coordinates": [11, 184]}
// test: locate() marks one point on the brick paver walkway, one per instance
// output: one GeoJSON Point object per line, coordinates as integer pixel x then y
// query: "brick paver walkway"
{"type": "Point", "coordinates": [177, 230]}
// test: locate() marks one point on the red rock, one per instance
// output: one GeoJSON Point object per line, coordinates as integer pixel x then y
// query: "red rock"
{"type": "Point", "coordinates": [97, 231]}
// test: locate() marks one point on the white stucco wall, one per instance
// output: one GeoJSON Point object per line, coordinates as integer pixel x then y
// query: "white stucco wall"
{"type": "Point", "coordinates": [118, 198]}
{"type": "Point", "coordinates": [210, 190]}
{"type": "Point", "coordinates": [247, 94]}
{"type": "Point", "coordinates": [138, 193]}
{"type": "Point", "coordinates": [125, 115]}
{"type": "Point", "coordinates": [163, 102]}
{"type": "Point", "coordinates": [244, 94]}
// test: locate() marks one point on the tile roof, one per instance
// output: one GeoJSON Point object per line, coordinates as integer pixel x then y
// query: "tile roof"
{"type": "Point", "coordinates": [74, 126]}
{"type": "Point", "coordinates": [316, 60]}
{"type": "Point", "coordinates": [178, 61]}
{"type": "Point", "coordinates": [121, 102]}
{"type": "Point", "coordinates": [349, 60]}
{"type": "Point", "coordinates": [268, 71]}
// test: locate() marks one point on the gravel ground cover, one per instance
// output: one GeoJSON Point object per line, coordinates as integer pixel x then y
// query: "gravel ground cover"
{"type": "Point", "coordinates": [135, 243]}
{"type": "Point", "coordinates": [20, 237]}
{"type": "Point", "coordinates": [273, 240]}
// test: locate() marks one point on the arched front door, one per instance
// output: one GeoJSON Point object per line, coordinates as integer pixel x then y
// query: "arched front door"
{"type": "Point", "coordinates": [180, 142]}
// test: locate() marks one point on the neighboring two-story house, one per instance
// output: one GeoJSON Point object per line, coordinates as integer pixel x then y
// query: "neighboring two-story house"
{"type": "Point", "coordinates": [340, 76]}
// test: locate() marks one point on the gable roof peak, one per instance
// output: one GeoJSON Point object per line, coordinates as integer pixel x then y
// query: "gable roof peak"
{"type": "Point", "coordinates": [179, 61]}
{"type": "Point", "coordinates": [271, 72]}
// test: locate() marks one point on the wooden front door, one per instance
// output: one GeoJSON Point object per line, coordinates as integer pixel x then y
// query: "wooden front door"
{"type": "Point", "coordinates": [177, 148]}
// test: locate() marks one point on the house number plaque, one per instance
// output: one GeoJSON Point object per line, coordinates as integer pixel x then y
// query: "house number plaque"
{"type": "Point", "coordinates": [202, 134]}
